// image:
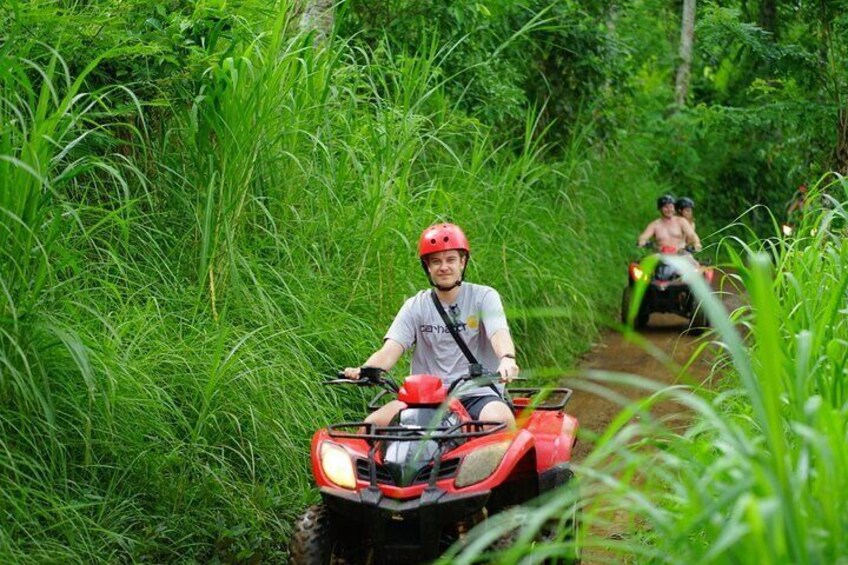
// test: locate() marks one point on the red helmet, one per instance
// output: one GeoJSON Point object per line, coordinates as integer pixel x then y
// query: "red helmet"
{"type": "Point", "coordinates": [442, 237]}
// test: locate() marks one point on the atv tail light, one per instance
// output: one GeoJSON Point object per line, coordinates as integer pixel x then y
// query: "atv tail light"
{"type": "Point", "coordinates": [338, 465]}
{"type": "Point", "coordinates": [479, 465]}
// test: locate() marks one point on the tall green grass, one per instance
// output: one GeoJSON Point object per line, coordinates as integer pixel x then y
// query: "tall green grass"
{"type": "Point", "coordinates": [757, 474]}
{"type": "Point", "coordinates": [179, 274]}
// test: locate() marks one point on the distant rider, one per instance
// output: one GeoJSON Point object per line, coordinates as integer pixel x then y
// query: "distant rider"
{"type": "Point", "coordinates": [670, 230]}
{"type": "Point", "coordinates": [476, 312]}
{"type": "Point", "coordinates": [796, 206]}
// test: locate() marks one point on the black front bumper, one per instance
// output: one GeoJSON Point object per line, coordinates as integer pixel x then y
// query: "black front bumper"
{"type": "Point", "coordinates": [675, 298]}
{"type": "Point", "coordinates": [403, 531]}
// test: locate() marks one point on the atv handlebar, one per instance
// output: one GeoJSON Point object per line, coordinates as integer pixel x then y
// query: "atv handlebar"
{"type": "Point", "coordinates": [654, 248]}
{"type": "Point", "coordinates": [373, 376]}
{"type": "Point", "coordinates": [368, 376]}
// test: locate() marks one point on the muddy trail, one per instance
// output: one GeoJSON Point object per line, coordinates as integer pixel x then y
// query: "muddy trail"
{"type": "Point", "coordinates": [666, 332]}
{"type": "Point", "coordinates": [669, 334]}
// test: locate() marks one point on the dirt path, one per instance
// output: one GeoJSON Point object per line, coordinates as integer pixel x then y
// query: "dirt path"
{"type": "Point", "coordinates": [666, 332]}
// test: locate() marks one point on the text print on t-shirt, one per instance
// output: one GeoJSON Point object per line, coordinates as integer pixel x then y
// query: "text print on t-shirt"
{"type": "Point", "coordinates": [439, 329]}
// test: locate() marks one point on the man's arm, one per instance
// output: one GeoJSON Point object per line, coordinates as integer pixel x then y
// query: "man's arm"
{"type": "Point", "coordinates": [647, 234]}
{"type": "Point", "coordinates": [691, 237]}
{"type": "Point", "coordinates": [505, 350]}
{"type": "Point", "coordinates": [386, 357]}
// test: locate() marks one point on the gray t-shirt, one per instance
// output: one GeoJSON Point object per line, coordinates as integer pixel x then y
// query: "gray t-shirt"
{"type": "Point", "coordinates": [477, 313]}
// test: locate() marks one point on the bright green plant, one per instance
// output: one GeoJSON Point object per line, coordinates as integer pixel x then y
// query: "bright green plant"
{"type": "Point", "coordinates": [146, 417]}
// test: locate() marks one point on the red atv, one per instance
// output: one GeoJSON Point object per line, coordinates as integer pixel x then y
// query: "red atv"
{"type": "Point", "coordinates": [406, 492]}
{"type": "Point", "coordinates": [665, 293]}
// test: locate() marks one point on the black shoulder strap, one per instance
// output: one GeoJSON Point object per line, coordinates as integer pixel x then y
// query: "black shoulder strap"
{"type": "Point", "coordinates": [452, 329]}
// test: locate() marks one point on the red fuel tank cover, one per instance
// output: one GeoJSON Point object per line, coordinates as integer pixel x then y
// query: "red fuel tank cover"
{"type": "Point", "coordinates": [422, 389]}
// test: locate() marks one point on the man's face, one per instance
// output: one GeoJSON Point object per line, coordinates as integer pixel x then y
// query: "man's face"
{"type": "Point", "coordinates": [686, 213]}
{"type": "Point", "coordinates": [445, 267]}
{"type": "Point", "coordinates": [667, 210]}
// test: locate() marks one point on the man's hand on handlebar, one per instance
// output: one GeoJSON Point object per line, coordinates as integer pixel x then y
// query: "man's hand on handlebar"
{"type": "Point", "coordinates": [507, 369]}
{"type": "Point", "coordinates": [365, 373]}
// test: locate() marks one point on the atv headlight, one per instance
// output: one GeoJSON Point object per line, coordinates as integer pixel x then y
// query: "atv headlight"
{"type": "Point", "coordinates": [337, 465]}
{"type": "Point", "coordinates": [639, 274]}
{"type": "Point", "coordinates": [479, 465]}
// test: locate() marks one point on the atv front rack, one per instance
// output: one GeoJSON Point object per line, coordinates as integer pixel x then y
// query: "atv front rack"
{"type": "Point", "coordinates": [375, 434]}
{"type": "Point", "coordinates": [439, 434]}
{"type": "Point", "coordinates": [555, 398]}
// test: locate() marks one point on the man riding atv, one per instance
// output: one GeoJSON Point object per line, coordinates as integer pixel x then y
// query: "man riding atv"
{"type": "Point", "coordinates": [669, 230]}
{"type": "Point", "coordinates": [451, 448]}
{"type": "Point", "coordinates": [476, 316]}
{"type": "Point", "coordinates": [666, 291]}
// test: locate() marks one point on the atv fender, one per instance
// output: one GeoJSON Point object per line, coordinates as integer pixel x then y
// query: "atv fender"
{"type": "Point", "coordinates": [555, 433]}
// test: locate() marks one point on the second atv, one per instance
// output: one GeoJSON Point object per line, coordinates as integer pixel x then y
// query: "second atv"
{"type": "Point", "coordinates": [665, 293]}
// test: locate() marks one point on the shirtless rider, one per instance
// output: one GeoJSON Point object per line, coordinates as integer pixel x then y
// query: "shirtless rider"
{"type": "Point", "coordinates": [670, 230]}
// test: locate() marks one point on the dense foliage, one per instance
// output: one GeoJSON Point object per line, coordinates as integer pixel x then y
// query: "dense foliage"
{"type": "Point", "coordinates": [203, 212]}
{"type": "Point", "coordinates": [757, 475]}
{"type": "Point", "coordinates": [203, 216]}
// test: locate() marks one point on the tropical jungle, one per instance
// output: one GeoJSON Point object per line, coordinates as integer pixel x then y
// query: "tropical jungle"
{"type": "Point", "coordinates": [210, 207]}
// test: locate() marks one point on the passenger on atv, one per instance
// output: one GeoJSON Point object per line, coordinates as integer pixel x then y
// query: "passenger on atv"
{"type": "Point", "coordinates": [454, 325]}
{"type": "Point", "coordinates": [669, 230]}
{"type": "Point", "coordinates": [685, 208]}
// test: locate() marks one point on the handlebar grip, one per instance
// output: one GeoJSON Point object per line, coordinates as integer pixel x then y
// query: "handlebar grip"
{"type": "Point", "coordinates": [371, 373]}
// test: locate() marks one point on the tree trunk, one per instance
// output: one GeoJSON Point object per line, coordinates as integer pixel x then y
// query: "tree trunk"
{"type": "Point", "coordinates": [687, 36]}
{"type": "Point", "coordinates": [834, 76]}
{"type": "Point", "coordinates": [841, 154]}
{"type": "Point", "coordinates": [768, 17]}
{"type": "Point", "coordinates": [318, 17]}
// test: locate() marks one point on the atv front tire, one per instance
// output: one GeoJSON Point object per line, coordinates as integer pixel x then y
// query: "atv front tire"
{"type": "Point", "coordinates": [699, 321]}
{"type": "Point", "coordinates": [313, 541]}
{"type": "Point", "coordinates": [641, 320]}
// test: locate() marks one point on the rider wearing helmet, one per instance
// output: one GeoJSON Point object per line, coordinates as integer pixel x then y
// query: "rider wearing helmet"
{"type": "Point", "coordinates": [477, 314]}
{"type": "Point", "coordinates": [685, 208]}
{"type": "Point", "coordinates": [796, 205]}
{"type": "Point", "coordinates": [669, 230]}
